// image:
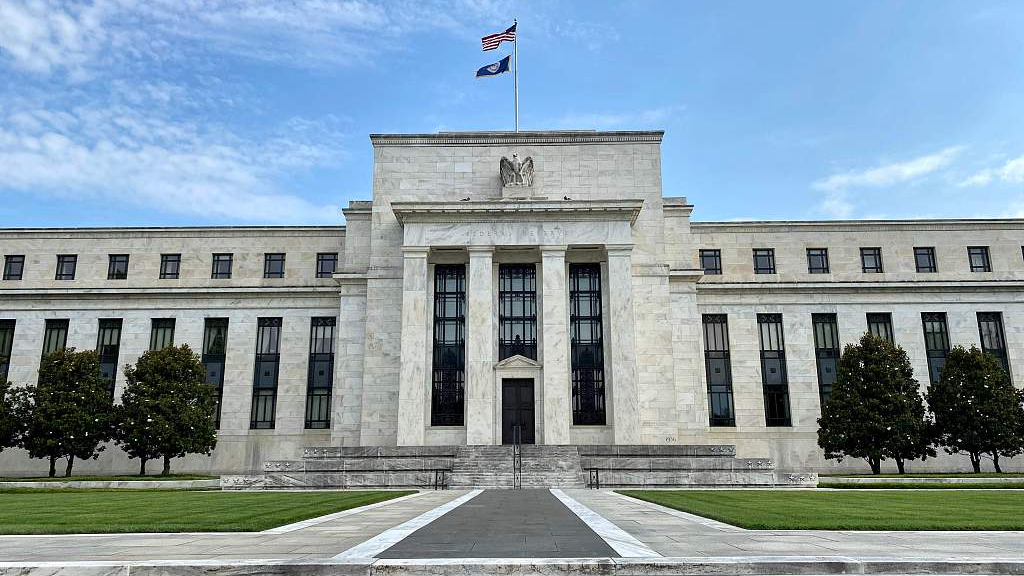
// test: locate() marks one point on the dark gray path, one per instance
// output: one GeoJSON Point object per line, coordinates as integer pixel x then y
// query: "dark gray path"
{"type": "Point", "coordinates": [504, 524]}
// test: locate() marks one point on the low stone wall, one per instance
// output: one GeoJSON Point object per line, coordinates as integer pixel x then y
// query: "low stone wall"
{"type": "Point", "coordinates": [117, 484]}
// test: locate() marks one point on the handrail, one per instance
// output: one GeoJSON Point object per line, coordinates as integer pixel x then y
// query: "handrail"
{"type": "Point", "coordinates": [517, 457]}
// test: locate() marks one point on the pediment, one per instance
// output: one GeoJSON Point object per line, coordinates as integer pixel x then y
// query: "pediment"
{"type": "Point", "coordinates": [517, 361]}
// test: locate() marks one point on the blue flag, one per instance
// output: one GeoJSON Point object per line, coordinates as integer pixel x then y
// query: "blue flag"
{"type": "Point", "coordinates": [499, 67]}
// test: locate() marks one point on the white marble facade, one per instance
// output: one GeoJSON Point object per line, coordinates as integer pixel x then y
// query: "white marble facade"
{"type": "Point", "coordinates": [438, 199]}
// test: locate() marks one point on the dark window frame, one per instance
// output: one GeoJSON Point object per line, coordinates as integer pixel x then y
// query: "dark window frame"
{"type": "Point", "coordinates": [931, 265]}
{"type": "Point", "coordinates": [448, 364]}
{"type": "Point", "coordinates": [817, 261]}
{"type": "Point", "coordinates": [161, 333]}
{"type": "Point", "coordinates": [108, 345]}
{"type": "Point", "coordinates": [586, 345]}
{"type": "Point", "coordinates": [274, 264]}
{"type": "Point", "coordinates": [167, 261]}
{"type": "Point", "coordinates": [323, 257]}
{"type": "Point", "coordinates": [772, 344]}
{"type": "Point", "coordinates": [718, 370]}
{"type": "Point", "coordinates": [880, 324]}
{"type": "Point", "coordinates": [266, 374]}
{"type": "Point", "coordinates": [63, 262]}
{"type": "Point", "coordinates": [826, 352]}
{"type": "Point", "coordinates": [10, 261]}
{"type": "Point", "coordinates": [936, 342]}
{"type": "Point", "coordinates": [215, 347]}
{"type": "Point", "coordinates": [220, 259]}
{"type": "Point", "coordinates": [117, 266]}
{"type": "Point", "coordinates": [7, 330]}
{"type": "Point", "coordinates": [55, 335]}
{"type": "Point", "coordinates": [517, 310]}
{"type": "Point", "coordinates": [710, 261]}
{"type": "Point", "coordinates": [875, 253]}
{"type": "Point", "coordinates": [768, 260]}
{"type": "Point", "coordinates": [993, 337]}
{"type": "Point", "coordinates": [320, 377]}
{"type": "Point", "coordinates": [982, 252]}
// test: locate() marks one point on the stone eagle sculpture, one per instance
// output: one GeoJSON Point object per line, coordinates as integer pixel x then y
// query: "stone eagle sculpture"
{"type": "Point", "coordinates": [515, 172]}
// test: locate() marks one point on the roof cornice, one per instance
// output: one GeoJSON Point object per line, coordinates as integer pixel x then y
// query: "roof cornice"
{"type": "Point", "coordinates": [173, 232]}
{"type": "Point", "coordinates": [514, 210]}
{"type": "Point", "coordinates": [754, 226]}
{"type": "Point", "coordinates": [545, 137]}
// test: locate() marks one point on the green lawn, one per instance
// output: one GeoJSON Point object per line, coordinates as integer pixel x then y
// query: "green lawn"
{"type": "Point", "coordinates": [922, 485]}
{"type": "Point", "coordinates": [930, 475]}
{"type": "Point", "coordinates": [132, 478]}
{"type": "Point", "coordinates": [26, 511]}
{"type": "Point", "coordinates": [853, 510]}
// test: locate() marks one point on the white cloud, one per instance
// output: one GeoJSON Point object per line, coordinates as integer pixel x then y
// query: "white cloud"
{"type": "Point", "coordinates": [888, 174]}
{"type": "Point", "coordinates": [1011, 172]}
{"type": "Point", "coordinates": [123, 154]}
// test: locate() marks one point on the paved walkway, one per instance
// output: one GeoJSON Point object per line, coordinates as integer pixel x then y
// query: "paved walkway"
{"type": "Point", "coordinates": [557, 524]}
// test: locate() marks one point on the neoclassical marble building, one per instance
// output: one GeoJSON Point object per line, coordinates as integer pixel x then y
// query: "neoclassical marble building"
{"type": "Point", "coordinates": [576, 305]}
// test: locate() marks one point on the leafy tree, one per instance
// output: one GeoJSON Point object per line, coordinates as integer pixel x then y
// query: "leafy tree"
{"type": "Point", "coordinates": [977, 409]}
{"type": "Point", "coordinates": [167, 407]}
{"type": "Point", "coordinates": [68, 414]}
{"type": "Point", "coordinates": [10, 418]}
{"type": "Point", "coordinates": [875, 410]}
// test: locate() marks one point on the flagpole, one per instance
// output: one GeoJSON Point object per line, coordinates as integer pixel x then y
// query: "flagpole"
{"type": "Point", "coordinates": [515, 71]}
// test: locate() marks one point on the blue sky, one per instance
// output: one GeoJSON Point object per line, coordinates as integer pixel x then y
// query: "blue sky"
{"type": "Point", "coordinates": [177, 112]}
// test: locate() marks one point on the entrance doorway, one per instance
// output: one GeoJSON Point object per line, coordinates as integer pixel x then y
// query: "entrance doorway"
{"type": "Point", "coordinates": [517, 409]}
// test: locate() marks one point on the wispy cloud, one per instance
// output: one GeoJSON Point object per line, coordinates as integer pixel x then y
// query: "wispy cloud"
{"type": "Point", "coordinates": [650, 118]}
{"type": "Point", "coordinates": [889, 174]}
{"type": "Point", "coordinates": [1011, 172]}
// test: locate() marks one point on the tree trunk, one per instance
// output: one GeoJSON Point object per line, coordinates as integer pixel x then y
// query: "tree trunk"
{"type": "Point", "coordinates": [53, 466]}
{"type": "Point", "coordinates": [876, 465]}
{"type": "Point", "coordinates": [142, 467]}
{"type": "Point", "coordinates": [71, 462]}
{"type": "Point", "coordinates": [899, 465]}
{"type": "Point", "coordinates": [995, 462]}
{"type": "Point", "coordinates": [976, 461]}
{"type": "Point", "coordinates": [167, 465]}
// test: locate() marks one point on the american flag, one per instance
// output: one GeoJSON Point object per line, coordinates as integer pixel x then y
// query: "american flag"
{"type": "Point", "coordinates": [491, 42]}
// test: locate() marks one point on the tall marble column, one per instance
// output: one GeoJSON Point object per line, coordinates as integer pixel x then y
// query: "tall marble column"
{"type": "Point", "coordinates": [624, 393]}
{"type": "Point", "coordinates": [557, 412]}
{"type": "Point", "coordinates": [480, 411]}
{"type": "Point", "coordinates": [412, 386]}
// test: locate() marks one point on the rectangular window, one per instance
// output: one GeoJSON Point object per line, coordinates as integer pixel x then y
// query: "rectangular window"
{"type": "Point", "coordinates": [764, 261]}
{"type": "Point", "coordinates": [880, 324]}
{"type": "Point", "coordinates": [718, 368]}
{"type": "Point", "coordinates": [14, 266]}
{"type": "Point", "coordinates": [993, 339]}
{"type": "Point", "coordinates": [117, 269]}
{"type": "Point", "coordinates": [586, 344]}
{"type": "Point", "coordinates": [170, 266]}
{"type": "Point", "coordinates": [936, 342]}
{"type": "Point", "coordinates": [6, 345]}
{"type": "Point", "coordinates": [711, 261]}
{"type": "Point", "coordinates": [66, 264]}
{"type": "Point", "coordinates": [448, 376]}
{"type": "Point", "coordinates": [826, 352]}
{"type": "Point", "coordinates": [221, 266]}
{"type": "Point", "coordinates": [108, 344]}
{"type": "Point", "coordinates": [215, 345]}
{"type": "Point", "coordinates": [517, 310]}
{"type": "Point", "coordinates": [979, 258]}
{"type": "Point", "coordinates": [924, 259]}
{"type": "Point", "coordinates": [268, 364]}
{"type": "Point", "coordinates": [773, 370]}
{"type": "Point", "coordinates": [55, 336]}
{"type": "Point", "coordinates": [817, 260]}
{"type": "Point", "coordinates": [871, 260]}
{"type": "Point", "coordinates": [161, 335]}
{"type": "Point", "coordinates": [273, 265]}
{"type": "Point", "coordinates": [321, 373]}
{"type": "Point", "coordinates": [326, 264]}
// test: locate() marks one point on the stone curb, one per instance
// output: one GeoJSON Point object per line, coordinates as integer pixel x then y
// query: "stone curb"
{"type": "Point", "coordinates": [116, 484]}
{"type": "Point", "coordinates": [725, 566]}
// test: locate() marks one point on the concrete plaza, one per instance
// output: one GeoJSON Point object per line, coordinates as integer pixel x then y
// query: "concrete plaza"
{"type": "Point", "coordinates": [516, 532]}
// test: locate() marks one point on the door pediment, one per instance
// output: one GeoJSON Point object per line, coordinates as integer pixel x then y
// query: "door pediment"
{"type": "Point", "coordinates": [515, 362]}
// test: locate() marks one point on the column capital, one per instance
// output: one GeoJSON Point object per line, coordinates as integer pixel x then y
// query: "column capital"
{"type": "Point", "coordinates": [415, 251]}
{"type": "Point", "coordinates": [553, 248]}
{"type": "Point", "coordinates": [619, 249]}
{"type": "Point", "coordinates": [480, 250]}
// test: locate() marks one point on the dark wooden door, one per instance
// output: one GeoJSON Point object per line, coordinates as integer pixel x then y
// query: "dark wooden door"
{"type": "Point", "coordinates": [517, 409]}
